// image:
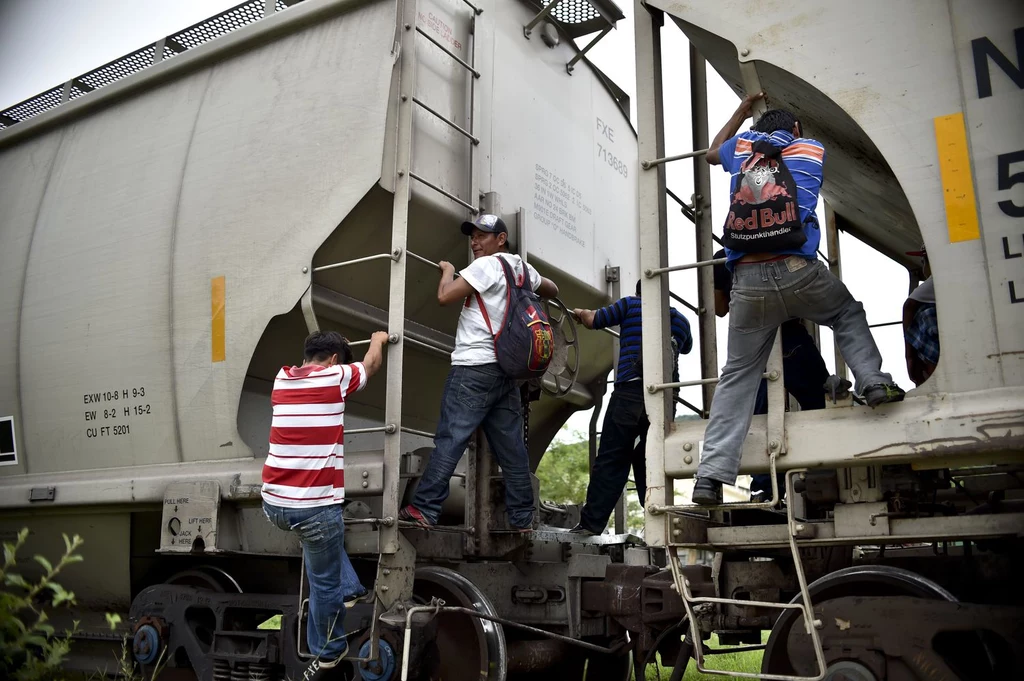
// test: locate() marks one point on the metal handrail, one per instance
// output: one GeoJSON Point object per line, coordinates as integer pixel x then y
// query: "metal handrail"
{"type": "Point", "coordinates": [805, 606]}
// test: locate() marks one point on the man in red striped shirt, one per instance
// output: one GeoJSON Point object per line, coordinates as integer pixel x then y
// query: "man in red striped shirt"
{"type": "Point", "coordinates": [304, 480]}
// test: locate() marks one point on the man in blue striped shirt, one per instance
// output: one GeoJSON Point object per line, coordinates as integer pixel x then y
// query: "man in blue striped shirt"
{"type": "Point", "coordinates": [772, 284]}
{"type": "Point", "coordinates": [626, 417]}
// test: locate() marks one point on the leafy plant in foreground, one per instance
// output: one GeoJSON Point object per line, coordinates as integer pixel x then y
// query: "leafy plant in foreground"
{"type": "Point", "coordinates": [30, 650]}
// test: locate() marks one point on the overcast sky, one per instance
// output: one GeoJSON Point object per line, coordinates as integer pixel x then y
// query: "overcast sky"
{"type": "Point", "coordinates": [47, 42]}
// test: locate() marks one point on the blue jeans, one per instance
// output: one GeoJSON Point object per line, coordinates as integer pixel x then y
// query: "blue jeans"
{"type": "Point", "coordinates": [321, 532]}
{"type": "Point", "coordinates": [764, 296]}
{"type": "Point", "coordinates": [479, 396]}
{"type": "Point", "coordinates": [804, 373]}
{"type": "Point", "coordinates": [625, 420]}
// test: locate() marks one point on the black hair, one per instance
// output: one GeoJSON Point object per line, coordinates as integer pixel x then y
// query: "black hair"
{"type": "Point", "coordinates": [637, 288]}
{"type": "Point", "coordinates": [775, 119]}
{"type": "Point", "coordinates": [320, 345]}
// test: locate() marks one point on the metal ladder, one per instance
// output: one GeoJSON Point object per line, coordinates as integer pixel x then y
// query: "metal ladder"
{"type": "Point", "coordinates": [654, 256]}
{"type": "Point", "coordinates": [397, 557]}
{"type": "Point", "coordinates": [408, 98]}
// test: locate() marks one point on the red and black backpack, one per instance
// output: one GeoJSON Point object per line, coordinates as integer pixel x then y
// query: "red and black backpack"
{"type": "Point", "coordinates": [524, 343]}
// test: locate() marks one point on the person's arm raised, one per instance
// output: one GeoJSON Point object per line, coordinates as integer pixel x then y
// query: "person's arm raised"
{"type": "Point", "coordinates": [450, 289]}
{"type": "Point", "coordinates": [374, 356]}
{"type": "Point", "coordinates": [731, 127]}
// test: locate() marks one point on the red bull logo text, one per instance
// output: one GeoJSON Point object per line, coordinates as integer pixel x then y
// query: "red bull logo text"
{"type": "Point", "coordinates": [763, 218]}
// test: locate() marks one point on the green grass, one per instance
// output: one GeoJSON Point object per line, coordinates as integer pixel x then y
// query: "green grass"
{"type": "Point", "coordinates": [273, 624]}
{"type": "Point", "coordinates": [734, 662]}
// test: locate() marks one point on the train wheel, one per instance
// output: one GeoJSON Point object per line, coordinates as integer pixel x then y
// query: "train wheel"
{"type": "Point", "coordinates": [207, 578]}
{"type": "Point", "coordinates": [465, 647]}
{"type": "Point", "coordinates": [789, 649]}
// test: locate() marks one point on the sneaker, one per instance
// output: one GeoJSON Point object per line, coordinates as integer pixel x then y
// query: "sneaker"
{"type": "Point", "coordinates": [411, 514]}
{"type": "Point", "coordinates": [579, 529]}
{"type": "Point", "coordinates": [324, 670]}
{"type": "Point", "coordinates": [707, 492]}
{"type": "Point", "coordinates": [357, 598]}
{"type": "Point", "coordinates": [881, 393]}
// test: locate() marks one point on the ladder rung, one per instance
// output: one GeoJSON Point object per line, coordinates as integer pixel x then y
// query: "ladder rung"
{"type": "Point", "coordinates": [689, 266]}
{"type": "Point", "coordinates": [389, 429]}
{"type": "Point", "coordinates": [423, 260]}
{"type": "Point", "coordinates": [647, 165]}
{"type": "Point", "coordinates": [465, 133]}
{"type": "Point", "coordinates": [422, 433]}
{"type": "Point", "coordinates": [423, 344]}
{"type": "Point", "coordinates": [805, 606]}
{"type": "Point", "coordinates": [770, 375]}
{"type": "Point", "coordinates": [345, 263]}
{"type": "Point", "coordinates": [411, 525]}
{"type": "Point", "coordinates": [687, 208]}
{"type": "Point", "coordinates": [466, 65]}
{"type": "Point", "coordinates": [444, 192]}
{"type": "Point", "coordinates": [679, 299]}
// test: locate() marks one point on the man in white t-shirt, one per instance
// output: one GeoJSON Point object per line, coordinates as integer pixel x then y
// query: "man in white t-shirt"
{"type": "Point", "coordinates": [477, 392]}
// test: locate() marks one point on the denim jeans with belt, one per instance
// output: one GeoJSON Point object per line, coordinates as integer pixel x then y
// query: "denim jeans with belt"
{"type": "Point", "coordinates": [625, 420]}
{"type": "Point", "coordinates": [479, 396]}
{"type": "Point", "coordinates": [321, 531]}
{"type": "Point", "coordinates": [764, 295]}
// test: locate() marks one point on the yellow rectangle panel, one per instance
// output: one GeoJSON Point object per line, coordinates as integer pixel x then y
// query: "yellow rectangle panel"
{"type": "Point", "coordinates": [217, 341]}
{"type": "Point", "coordinates": [957, 180]}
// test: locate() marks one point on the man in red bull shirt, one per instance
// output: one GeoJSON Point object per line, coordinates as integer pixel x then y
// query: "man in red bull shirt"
{"type": "Point", "coordinates": [772, 285]}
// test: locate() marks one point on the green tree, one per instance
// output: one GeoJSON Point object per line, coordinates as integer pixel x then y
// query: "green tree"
{"type": "Point", "coordinates": [564, 473]}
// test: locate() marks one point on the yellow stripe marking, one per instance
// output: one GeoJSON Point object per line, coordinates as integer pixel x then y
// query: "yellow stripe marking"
{"type": "Point", "coordinates": [957, 183]}
{"type": "Point", "coordinates": [217, 342]}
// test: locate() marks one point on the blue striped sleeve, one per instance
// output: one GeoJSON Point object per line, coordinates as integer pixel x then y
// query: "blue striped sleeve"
{"type": "Point", "coordinates": [681, 332]}
{"type": "Point", "coordinates": [612, 315]}
{"type": "Point", "coordinates": [727, 154]}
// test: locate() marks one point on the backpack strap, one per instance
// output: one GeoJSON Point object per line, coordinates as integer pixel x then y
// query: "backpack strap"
{"type": "Point", "coordinates": [510, 281]}
{"type": "Point", "coordinates": [483, 311]}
